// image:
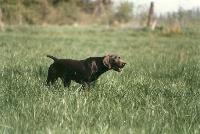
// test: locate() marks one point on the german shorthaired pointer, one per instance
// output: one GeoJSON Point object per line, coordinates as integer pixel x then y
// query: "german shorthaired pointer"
{"type": "Point", "coordinates": [82, 71]}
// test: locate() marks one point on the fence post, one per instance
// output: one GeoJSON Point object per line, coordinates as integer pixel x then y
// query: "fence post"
{"type": "Point", "coordinates": [151, 12]}
{"type": "Point", "coordinates": [1, 21]}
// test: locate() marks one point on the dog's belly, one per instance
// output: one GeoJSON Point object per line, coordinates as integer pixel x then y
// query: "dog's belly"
{"type": "Point", "coordinates": [80, 78]}
{"type": "Point", "coordinates": [75, 76]}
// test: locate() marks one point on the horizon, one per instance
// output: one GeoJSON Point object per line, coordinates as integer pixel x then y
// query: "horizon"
{"type": "Point", "coordinates": [163, 7]}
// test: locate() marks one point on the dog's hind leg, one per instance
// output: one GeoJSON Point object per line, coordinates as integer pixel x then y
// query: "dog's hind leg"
{"type": "Point", "coordinates": [52, 76]}
{"type": "Point", "coordinates": [51, 80]}
{"type": "Point", "coordinates": [66, 82]}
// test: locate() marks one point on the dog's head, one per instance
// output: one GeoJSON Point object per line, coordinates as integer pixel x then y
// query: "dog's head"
{"type": "Point", "coordinates": [114, 62]}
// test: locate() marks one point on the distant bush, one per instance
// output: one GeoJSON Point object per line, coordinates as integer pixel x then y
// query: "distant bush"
{"type": "Point", "coordinates": [63, 12]}
{"type": "Point", "coordinates": [124, 12]}
{"type": "Point", "coordinates": [172, 30]}
{"type": "Point", "coordinates": [38, 12]}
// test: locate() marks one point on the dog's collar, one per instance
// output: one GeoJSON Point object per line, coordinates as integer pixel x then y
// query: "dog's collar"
{"type": "Point", "coordinates": [106, 66]}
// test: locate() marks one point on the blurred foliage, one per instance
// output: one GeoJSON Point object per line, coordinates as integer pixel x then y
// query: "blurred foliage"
{"type": "Point", "coordinates": [39, 11]}
{"type": "Point", "coordinates": [72, 12]}
{"type": "Point", "coordinates": [63, 11]}
{"type": "Point", "coordinates": [124, 12]}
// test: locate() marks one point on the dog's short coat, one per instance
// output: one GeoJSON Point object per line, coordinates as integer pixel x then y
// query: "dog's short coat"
{"type": "Point", "coordinates": [82, 71]}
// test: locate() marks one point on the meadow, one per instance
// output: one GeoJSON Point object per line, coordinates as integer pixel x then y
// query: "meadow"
{"type": "Point", "coordinates": [158, 92]}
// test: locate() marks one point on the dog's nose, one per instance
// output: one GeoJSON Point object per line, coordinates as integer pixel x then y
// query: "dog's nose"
{"type": "Point", "coordinates": [123, 64]}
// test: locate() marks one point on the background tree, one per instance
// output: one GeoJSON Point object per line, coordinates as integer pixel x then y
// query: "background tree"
{"type": "Point", "coordinates": [124, 12]}
{"type": "Point", "coordinates": [180, 15]}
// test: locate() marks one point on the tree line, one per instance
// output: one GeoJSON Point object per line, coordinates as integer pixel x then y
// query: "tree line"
{"type": "Point", "coordinates": [63, 12]}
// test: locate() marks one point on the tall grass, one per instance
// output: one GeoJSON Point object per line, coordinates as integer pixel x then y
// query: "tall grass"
{"type": "Point", "coordinates": [157, 92]}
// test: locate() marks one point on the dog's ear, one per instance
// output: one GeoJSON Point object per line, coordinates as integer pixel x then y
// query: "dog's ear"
{"type": "Point", "coordinates": [106, 61]}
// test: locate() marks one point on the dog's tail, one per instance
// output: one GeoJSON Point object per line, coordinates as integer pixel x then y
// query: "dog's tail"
{"type": "Point", "coordinates": [54, 58]}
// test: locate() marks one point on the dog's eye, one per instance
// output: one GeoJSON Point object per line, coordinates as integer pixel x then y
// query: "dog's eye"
{"type": "Point", "coordinates": [119, 57]}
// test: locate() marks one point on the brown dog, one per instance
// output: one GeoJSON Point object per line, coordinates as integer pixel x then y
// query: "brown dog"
{"type": "Point", "coordinates": [82, 71]}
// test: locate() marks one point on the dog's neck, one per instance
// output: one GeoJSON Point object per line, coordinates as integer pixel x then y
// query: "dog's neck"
{"type": "Point", "coordinates": [104, 67]}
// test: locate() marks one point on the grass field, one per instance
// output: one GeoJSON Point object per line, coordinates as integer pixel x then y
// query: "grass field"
{"type": "Point", "coordinates": [158, 92]}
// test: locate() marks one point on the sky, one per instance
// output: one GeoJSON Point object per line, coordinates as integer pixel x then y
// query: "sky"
{"type": "Point", "coordinates": [164, 6]}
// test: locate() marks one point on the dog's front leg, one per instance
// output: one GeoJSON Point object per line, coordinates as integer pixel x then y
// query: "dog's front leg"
{"type": "Point", "coordinates": [85, 86]}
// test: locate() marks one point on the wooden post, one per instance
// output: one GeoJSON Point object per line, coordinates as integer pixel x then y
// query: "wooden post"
{"type": "Point", "coordinates": [151, 12]}
{"type": "Point", "coordinates": [19, 12]}
{"type": "Point", "coordinates": [1, 20]}
{"type": "Point", "coordinates": [1, 16]}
